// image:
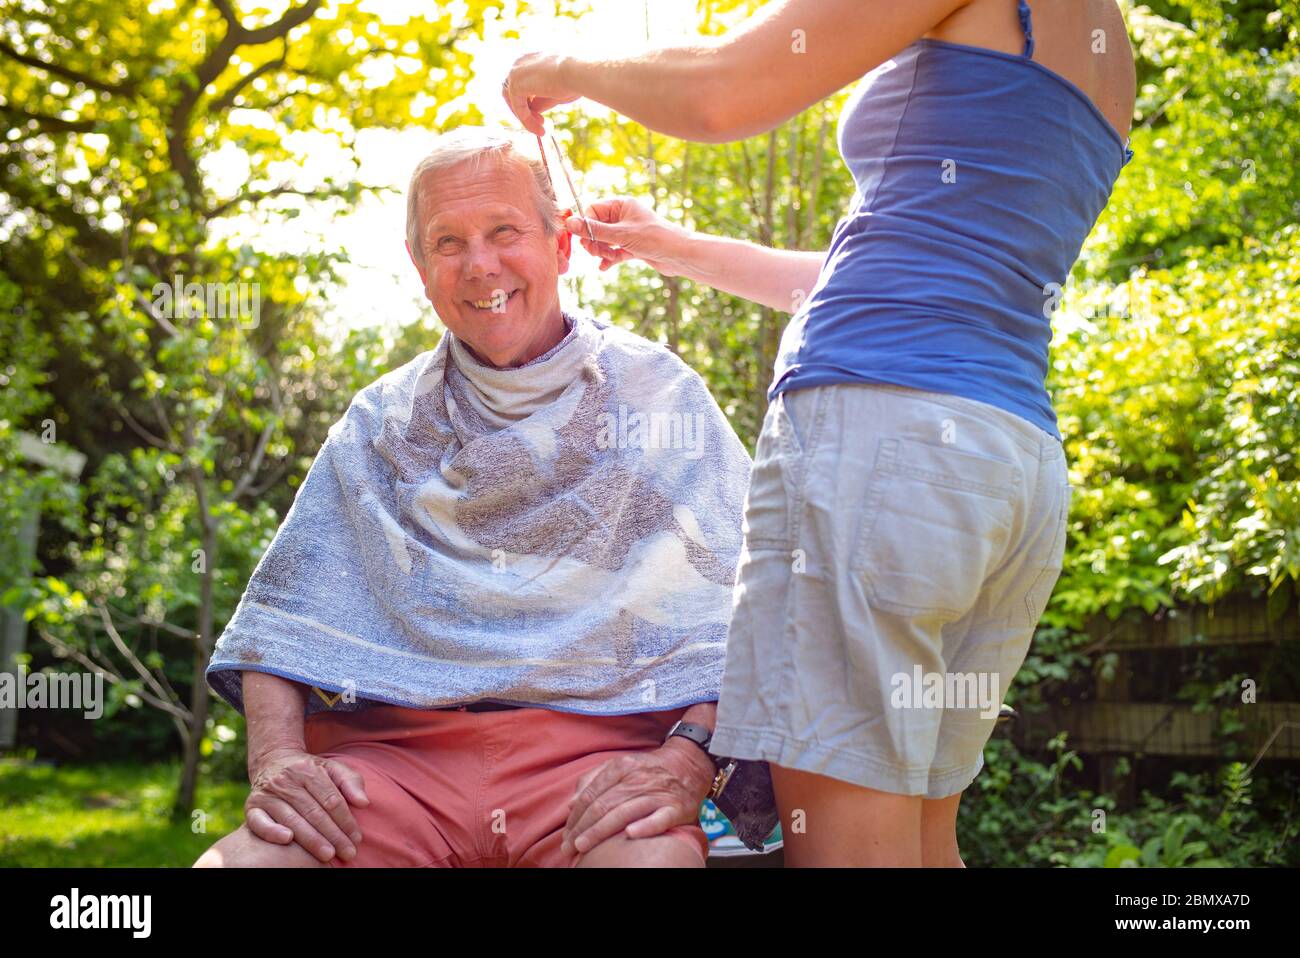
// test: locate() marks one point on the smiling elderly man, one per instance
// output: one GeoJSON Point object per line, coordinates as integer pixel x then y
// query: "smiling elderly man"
{"type": "Point", "coordinates": [505, 580]}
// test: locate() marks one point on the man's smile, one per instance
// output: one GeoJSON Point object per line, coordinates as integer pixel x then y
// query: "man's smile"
{"type": "Point", "coordinates": [490, 303]}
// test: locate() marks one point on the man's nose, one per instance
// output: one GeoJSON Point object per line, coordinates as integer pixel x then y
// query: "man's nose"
{"type": "Point", "coordinates": [481, 260]}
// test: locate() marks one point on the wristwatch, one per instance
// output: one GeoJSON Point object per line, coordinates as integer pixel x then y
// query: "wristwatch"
{"type": "Point", "coordinates": [701, 736]}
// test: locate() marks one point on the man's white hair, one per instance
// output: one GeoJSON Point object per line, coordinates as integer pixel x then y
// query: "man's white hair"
{"type": "Point", "coordinates": [472, 144]}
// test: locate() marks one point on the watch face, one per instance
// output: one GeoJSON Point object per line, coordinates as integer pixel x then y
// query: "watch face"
{"type": "Point", "coordinates": [721, 779]}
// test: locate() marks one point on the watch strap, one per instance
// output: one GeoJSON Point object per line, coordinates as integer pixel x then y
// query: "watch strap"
{"type": "Point", "coordinates": [701, 736]}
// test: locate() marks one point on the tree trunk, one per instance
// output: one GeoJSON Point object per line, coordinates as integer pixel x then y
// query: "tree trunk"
{"type": "Point", "coordinates": [199, 700]}
{"type": "Point", "coordinates": [194, 741]}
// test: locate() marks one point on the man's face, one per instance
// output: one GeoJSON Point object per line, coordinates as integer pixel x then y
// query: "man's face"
{"type": "Point", "coordinates": [490, 270]}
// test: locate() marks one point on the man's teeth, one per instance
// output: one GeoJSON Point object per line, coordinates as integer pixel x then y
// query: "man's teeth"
{"type": "Point", "coordinates": [489, 303]}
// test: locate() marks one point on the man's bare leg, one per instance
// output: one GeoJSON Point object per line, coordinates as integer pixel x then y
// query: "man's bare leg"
{"type": "Point", "coordinates": [659, 851]}
{"type": "Point", "coordinates": [242, 849]}
{"type": "Point", "coordinates": [830, 823]}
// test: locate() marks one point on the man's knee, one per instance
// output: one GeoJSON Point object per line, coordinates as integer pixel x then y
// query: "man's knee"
{"type": "Point", "coordinates": [659, 851]}
{"type": "Point", "coordinates": [242, 849]}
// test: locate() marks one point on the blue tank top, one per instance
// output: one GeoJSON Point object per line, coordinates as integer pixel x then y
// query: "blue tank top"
{"type": "Point", "coordinates": [979, 175]}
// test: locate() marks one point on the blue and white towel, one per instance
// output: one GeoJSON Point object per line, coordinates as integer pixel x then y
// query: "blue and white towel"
{"type": "Point", "coordinates": [562, 534]}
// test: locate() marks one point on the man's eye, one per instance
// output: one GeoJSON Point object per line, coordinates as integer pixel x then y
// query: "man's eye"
{"type": "Point", "coordinates": [448, 245]}
{"type": "Point", "coordinates": [502, 230]}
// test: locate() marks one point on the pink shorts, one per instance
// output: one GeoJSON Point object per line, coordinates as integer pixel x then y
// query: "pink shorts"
{"type": "Point", "coordinates": [489, 789]}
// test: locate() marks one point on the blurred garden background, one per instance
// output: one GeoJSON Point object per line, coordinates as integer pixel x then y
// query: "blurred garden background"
{"type": "Point", "coordinates": [146, 461]}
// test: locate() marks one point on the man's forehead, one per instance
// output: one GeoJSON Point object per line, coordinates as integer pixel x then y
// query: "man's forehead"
{"type": "Point", "coordinates": [494, 189]}
{"type": "Point", "coordinates": [446, 215]}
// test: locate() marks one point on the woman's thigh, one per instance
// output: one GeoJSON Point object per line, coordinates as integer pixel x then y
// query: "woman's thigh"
{"type": "Point", "coordinates": [829, 823]}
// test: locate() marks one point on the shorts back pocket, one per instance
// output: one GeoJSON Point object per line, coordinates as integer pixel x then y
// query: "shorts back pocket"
{"type": "Point", "coordinates": [935, 520]}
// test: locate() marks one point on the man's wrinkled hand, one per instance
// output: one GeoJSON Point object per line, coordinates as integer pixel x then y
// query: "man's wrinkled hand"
{"type": "Point", "coordinates": [644, 794]}
{"type": "Point", "coordinates": [298, 796]}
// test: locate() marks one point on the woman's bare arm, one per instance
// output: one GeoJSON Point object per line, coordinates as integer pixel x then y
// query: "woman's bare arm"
{"type": "Point", "coordinates": [776, 64]}
{"type": "Point", "coordinates": [779, 278]}
{"type": "Point", "coordinates": [626, 229]}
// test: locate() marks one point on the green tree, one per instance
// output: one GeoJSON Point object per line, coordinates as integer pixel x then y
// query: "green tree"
{"type": "Point", "coordinates": [116, 112]}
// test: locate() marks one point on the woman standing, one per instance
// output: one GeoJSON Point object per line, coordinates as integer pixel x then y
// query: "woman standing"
{"type": "Point", "coordinates": [907, 511]}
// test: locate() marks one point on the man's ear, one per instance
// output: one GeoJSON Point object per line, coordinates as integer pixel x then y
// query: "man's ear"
{"type": "Point", "coordinates": [565, 241]}
{"type": "Point", "coordinates": [419, 269]}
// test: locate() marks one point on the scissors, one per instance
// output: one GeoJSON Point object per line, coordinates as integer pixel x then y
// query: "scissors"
{"type": "Point", "coordinates": [574, 193]}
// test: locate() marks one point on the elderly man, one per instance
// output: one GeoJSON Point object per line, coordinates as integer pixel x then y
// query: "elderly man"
{"type": "Point", "coordinates": [491, 629]}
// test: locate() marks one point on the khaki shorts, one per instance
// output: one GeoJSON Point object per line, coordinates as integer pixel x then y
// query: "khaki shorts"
{"type": "Point", "coordinates": [900, 548]}
{"type": "Point", "coordinates": [477, 789]}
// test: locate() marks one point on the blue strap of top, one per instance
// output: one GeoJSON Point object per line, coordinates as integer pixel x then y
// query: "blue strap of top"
{"type": "Point", "coordinates": [1027, 25]}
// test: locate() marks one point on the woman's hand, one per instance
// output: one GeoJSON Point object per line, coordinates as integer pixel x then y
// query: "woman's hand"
{"type": "Point", "coordinates": [625, 229]}
{"type": "Point", "coordinates": [534, 86]}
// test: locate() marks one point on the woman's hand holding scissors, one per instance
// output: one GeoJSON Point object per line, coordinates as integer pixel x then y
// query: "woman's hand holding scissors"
{"type": "Point", "coordinates": [535, 85]}
{"type": "Point", "coordinates": [625, 229]}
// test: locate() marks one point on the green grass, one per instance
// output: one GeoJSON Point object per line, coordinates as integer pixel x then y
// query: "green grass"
{"type": "Point", "coordinates": [96, 816]}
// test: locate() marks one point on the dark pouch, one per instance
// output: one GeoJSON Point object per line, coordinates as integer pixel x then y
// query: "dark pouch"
{"type": "Point", "coordinates": [749, 803]}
